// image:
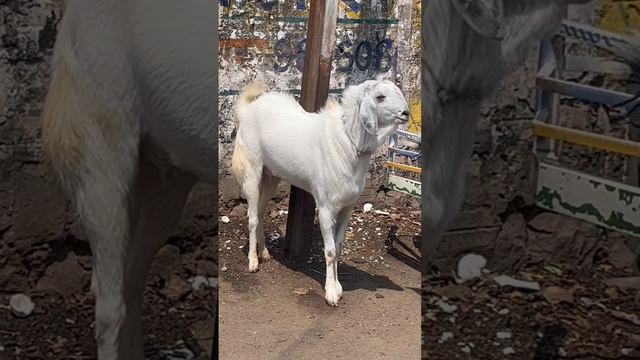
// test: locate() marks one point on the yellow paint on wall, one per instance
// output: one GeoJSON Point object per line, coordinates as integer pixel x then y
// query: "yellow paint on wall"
{"type": "Point", "coordinates": [415, 123]}
{"type": "Point", "coordinates": [347, 11]}
{"type": "Point", "coordinates": [619, 15]}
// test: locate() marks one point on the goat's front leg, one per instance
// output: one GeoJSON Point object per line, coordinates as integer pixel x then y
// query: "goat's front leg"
{"type": "Point", "coordinates": [448, 149]}
{"type": "Point", "coordinates": [342, 222]}
{"type": "Point", "coordinates": [327, 218]}
{"type": "Point", "coordinates": [124, 243]}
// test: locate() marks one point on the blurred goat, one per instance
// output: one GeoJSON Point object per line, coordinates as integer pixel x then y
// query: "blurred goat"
{"type": "Point", "coordinates": [129, 125]}
{"type": "Point", "coordinates": [468, 47]}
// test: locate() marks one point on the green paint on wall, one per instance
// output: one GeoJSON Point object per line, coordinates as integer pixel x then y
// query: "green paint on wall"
{"type": "Point", "coordinates": [405, 190]}
{"type": "Point", "coordinates": [615, 220]}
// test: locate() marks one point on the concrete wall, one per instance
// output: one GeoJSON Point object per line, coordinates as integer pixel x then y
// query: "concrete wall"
{"type": "Point", "coordinates": [265, 41]}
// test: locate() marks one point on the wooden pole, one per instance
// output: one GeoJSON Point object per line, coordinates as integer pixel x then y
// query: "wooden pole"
{"type": "Point", "coordinates": [315, 89]}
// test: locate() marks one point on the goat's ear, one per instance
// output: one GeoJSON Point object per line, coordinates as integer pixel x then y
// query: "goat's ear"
{"type": "Point", "coordinates": [367, 113]}
{"type": "Point", "coordinates": [484, 16]}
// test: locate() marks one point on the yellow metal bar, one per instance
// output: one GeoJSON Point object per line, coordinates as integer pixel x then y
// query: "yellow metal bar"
{"type": "Point", "coordinates": [404, 167]}
{"type": "Point", "coordinates": [587, 139]}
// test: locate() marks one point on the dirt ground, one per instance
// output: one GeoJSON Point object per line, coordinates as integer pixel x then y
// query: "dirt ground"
{"type": "Point", "coordinates": [178, 318]}
{"type": "Point", "coordinates": [280, 313]}
{"type": "Point", "coordinates": [577, 314]}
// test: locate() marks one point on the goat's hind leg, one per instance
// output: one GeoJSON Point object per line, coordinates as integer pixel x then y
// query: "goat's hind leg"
{"type": "Point", "coordinates": [268, 185]}
{"type": "Point", "coordinates": [124, 240]}
{"type": "Point", "coordinates": [250, 182]}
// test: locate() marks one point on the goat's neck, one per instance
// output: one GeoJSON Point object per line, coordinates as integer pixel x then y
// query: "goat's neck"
{"type": "Point", "coordinates": [361, 142]}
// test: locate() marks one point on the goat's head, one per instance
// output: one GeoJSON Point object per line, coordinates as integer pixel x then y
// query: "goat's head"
{"type": "Point", "coordinates": [380, 104]}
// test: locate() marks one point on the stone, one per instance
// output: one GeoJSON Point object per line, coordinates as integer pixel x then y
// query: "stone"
{"type": "Point", "coordinates": [229, 188]}
{"type": "Point", "coordinates": [631, 282]}
{"type": "Point", "coordinates": [167, 261]}
{"type": "Point", "coordinates": [21, 305]}
{"type": "Point", "coordinates": [465, 241]}
{"type": "Point", "coordinates": [238, 211]}
{"type": "Point", "coordinates": [301, 291]}
{"type": "Point", "coordinates": [556, 295]}
{"type": "Point", "coordinates": [618, 253]}
{"type": "Point", "coordinates": [65, 277]}
{"type": "Point", "coordinates": [176, 288]}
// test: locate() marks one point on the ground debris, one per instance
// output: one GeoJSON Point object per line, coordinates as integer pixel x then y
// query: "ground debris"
{"type": "Point", "coordinates": [21, 305]}
{"type": "Point", "coordinates": [470, 266]}
{"type": "Point", "coordinates": [504, 280]}
{"type": "Point", "coordinates": [556, 295]}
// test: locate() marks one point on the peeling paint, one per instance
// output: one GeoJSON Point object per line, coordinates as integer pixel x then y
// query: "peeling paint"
{"type": "Point", "coordinates": [614, 205]}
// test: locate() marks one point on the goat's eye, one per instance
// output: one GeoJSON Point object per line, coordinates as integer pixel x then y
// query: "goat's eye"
{"type": "Point", "coordinates": [380, 97]}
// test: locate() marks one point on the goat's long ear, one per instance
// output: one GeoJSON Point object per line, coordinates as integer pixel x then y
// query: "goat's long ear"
{"type": "Point", "coordinates": [367, 113]}
{"type": "Point", "coordinates": [484, 16]}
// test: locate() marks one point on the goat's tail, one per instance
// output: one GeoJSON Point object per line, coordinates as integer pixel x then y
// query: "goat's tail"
{"type": "Point", "coordinates": [249, 94]}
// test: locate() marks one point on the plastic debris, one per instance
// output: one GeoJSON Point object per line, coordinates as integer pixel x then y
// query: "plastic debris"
{"type": "Point", "coordinates": [504, 280]}
{"type": "Point", "coordinates": [21, 305]}
{"type": "Point", "coordinates": [470, 266]}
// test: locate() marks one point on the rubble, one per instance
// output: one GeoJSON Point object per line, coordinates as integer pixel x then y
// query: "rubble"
{"type": "Point", "coordinates": [504, 280]}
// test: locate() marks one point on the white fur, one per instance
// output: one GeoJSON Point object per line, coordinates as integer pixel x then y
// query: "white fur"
{"type": "Point", "coordinates": [130, 123]}
{"type": "Point", "coordinates": [464, 58]}
{"type": "Point", "coordinates": [326, 154]}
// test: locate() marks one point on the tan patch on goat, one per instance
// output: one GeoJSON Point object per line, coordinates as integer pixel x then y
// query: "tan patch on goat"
{"type": "Point", "coordinates": [249, 94]}
{"type": "Point", "coordinates": [240, 161]}
{"type": "Point", "coordinates": [63, 122]}
{"type": "Point", "coordinates": [332, 107]}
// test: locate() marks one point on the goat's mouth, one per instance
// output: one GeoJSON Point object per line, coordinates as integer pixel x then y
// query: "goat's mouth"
{"type": "Point", "coordinates": [402, 119]}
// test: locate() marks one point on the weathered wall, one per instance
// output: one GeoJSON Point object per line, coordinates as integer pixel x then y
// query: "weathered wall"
{"type": "Point", "coordinates": [265, 40]}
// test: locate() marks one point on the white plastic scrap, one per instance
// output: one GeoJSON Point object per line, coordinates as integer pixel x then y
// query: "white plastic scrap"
{"type": "Point", "coordinates": [504, 280]}
{"type": "Point", "coordinates": [198, 281]}
{"type": "Point", "coordinates": [447, 308]}
{"type": "Point", "coordinates": [446, 336]}
{"type": "Point", "coordinates": [367, 207]}
{"type": "Point", "coordinates": [225, 219]}
{"type": "Point", "coordinates": [21, 304]}
{"type": "Point", "coordinates": [470, 266]}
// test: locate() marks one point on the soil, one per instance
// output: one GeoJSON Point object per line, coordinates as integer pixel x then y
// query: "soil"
{"type": "Point", "coordinates": [280, 312]}
{"type": "Point", "coordinates": [177, 318]}
{"type": "Point", "coordinates": [576, 314]}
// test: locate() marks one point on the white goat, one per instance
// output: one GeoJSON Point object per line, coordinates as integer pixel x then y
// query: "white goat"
{"type": "Point", "coordinates": [326, 154]}
{"type": "Point", "coordinates": [468, 47]}
{"type": "Point", "coordinates": [130, 123]}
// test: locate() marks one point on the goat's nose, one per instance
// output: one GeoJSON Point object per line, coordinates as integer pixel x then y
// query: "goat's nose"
{"type": "Point", "coordinates": [405, 113]}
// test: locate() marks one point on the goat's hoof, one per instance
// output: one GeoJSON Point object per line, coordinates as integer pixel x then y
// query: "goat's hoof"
{"type": "Point", "coordinates": [339, 290]}
{"type": "Point", "coordinates": [331, 296]}
{"type": "Point", "coordinates": [264, 255]}
{"type": "Point", "coordinates": [253, 265]}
